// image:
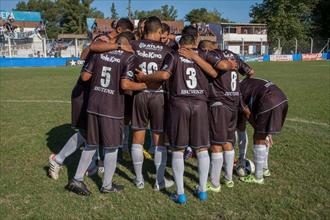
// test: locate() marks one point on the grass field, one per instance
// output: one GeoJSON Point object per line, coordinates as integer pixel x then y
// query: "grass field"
{"type": "Point", "coordinates": [35, 117]}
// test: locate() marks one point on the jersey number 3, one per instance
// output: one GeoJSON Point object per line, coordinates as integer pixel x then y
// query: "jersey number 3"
{"type": "Point", "coordinates": [105, 76]}
{"type": "Point", "coordinates": [192, 82]}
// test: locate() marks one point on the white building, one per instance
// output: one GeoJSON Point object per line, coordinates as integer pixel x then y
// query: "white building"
{"type": "Point", "coordinates": [242, 38]}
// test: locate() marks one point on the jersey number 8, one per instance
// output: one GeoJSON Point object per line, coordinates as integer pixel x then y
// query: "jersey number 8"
{"type": "Point", "coordinates": [233, 81]}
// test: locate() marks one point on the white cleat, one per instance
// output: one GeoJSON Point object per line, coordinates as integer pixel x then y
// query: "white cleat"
{"type": "Point", "coordinates": [54, 167]}
{"type": "Point", "coordinates": [166, 184]}
{"type": "Point", "coordinates": [139, 184]}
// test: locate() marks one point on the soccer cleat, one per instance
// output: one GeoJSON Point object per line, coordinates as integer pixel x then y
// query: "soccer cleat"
{"type": "Point", "coordinates": [200, 194]}
{"type": "Point", "coordinates": [266, 172]}
{"type": "Point", "coordinates": [146, 154]}
{"type": "Point", "coordinates": [210, 187]}
{"type": "Point", "coordinates": [166, 184]}
{"type": "Point", "coordinates": [139, 184]}
{"type": "Point", "coordinates": [114, 188]}
{"type": "Point", "coordinates": [228, 183]}
{"type": "Point", "coordinates": [188, 153]}
{"type": "Point", "coordinates": [54, 167]}
{"type": "Point", "coordinates": [126, 156]}
{"type": "Point", "coordinates": [251, 179]}
{"type": "Point", "coordinates": [78, 187]}
{"type": "Point", "coordinates": [180, 199]}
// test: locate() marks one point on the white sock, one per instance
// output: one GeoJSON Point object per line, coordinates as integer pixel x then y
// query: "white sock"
{"type": "Point", "coordinates": [266, 159]}
{"type": "Point", "coordinates": [110, 164]}
{"type": "Point", "coordinates": [178, 170]}
{"type": "Point", "coordinates": [74, 142]}
{"type": "Point", "coordinates": [137, 158]}
{"type": "Point", "coordinates": [259, 155]}
{"type": "Point", "coordinates": [229, 157]}
{"type": "Point", "coordinates": [215, 169]}
{"type": "Point", "coordinates": [242, 144]}
{"type": "Point", "coordinates": [203, 161]}
{"type": "Point", "coordinates": [84, 162]}
{"type": "Point", "coordinates": [160, 160]}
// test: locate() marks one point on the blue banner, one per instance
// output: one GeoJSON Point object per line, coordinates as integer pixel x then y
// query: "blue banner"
{"type": "Point", "coordinates": [21, 15]}
{"type": "Point", "coordinates": [35, 62]}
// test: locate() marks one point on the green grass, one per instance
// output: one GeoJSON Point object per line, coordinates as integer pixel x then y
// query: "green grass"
{"type": "Point", "coordinates": [299, 187]}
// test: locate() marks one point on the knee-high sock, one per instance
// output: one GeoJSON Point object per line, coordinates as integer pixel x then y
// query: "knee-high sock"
{"type": "Point", "coordinates": [126, 137]}
{"type": "Point", "coordinates": [70, 146]}
{"type": "Point", "coordinates": [242, 144]}
{"type": "Point", "coordinates": [137, 158]}
{"type": "Point", "coordinates": [160, 163]}
{"type": "Point", "coordinates": [110, 164]}
{"type": "Point", "coordinates": [178, 170]}
{"type": "Point", "coordinates": [84, 162]}
{"type": "Point", "coordinates": [215, 169]}
{"type": "Point", "coordinates": [229, 157]}
{"type": "Point", "coordinates": [266, 159]}
{"type": "Point", "coordinates": [259, 155]}
{"type": "Point", "coordinates": [203, 169]}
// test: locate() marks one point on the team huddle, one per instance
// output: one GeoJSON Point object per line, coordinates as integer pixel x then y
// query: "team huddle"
{"type": "Point", "coordinates": [186, 92]}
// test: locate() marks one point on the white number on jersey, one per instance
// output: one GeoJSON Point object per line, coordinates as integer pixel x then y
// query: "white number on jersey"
{"type": "Point", "coordinates": [233, 81]}
{"type": "Point", "coordinates": [106, 76]}
{"type": "Point", "coordinates": [149, 68]}
{"type": "Point", "coordinates": [192, 82]}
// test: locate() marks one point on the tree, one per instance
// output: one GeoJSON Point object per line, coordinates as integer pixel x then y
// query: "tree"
{"type": "Point", "coordinates": [114, 14]}
{"type": "Point", "coordinates": [285, 19]}
{"type": "Point", "coordinates": [166, 12]}
{"type": "Point", "coordinates": [202, 15]}
{"type": "Point", "coordinates": [321, 19]}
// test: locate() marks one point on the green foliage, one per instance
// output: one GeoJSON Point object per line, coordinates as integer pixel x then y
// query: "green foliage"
{"type": "Point", "coordinates": [166, 12]}
{"type": "Point", "coordinates": [202, 15]}
{"type": "Point", "coordinates": [114, 14]}
{"type": "Point", "coordinates": [30, 131]}
{"type": "Point", "coordinates": [62, 16]}
{"type": "Point", "coordinates": [321, 19]}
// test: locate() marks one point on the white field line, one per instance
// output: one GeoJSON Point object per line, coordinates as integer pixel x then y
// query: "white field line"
{"type": "Point", "coordinates": [68, 102]}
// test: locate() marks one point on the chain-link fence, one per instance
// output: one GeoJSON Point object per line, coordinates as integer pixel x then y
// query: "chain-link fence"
{"type": "Point", "coordinates": [294, 46]}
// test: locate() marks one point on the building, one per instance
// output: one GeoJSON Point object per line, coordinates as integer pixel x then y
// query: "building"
{"type": "Point", "coordinates": [242, 38]}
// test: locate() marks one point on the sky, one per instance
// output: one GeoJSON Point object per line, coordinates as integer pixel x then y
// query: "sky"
{"type": "Point", "coordinates": [234, 10]}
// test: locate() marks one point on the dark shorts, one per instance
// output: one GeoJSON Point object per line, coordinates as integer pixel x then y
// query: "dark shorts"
{"type": "Point", "coordinates": [241, 122]}
{"type": "Point", "coordinates": [271, 122]}
{"type": "Point", "coordinates": [189, 125]}
{"type": "Point", "coordinates": [79, 101]}
{"type": "Point", "coordinates": [128, 106]}
{"type": "Point", "coordinates": [222, 123]}
{"type": "Point", "coordinates": [148, 107]}
{"type": "Point", "coordinates": [104, 131]}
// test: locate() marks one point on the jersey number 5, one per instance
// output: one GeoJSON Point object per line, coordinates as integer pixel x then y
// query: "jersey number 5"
{"type": "Point", "coordinates": [105, 76]}
{"type": "Point", "coordinates": [192, 82]}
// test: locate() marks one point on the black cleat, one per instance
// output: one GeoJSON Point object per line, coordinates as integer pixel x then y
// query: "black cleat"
{"type": "Point", "coordinates": [78, 187]}
{"type": "Point", "coordinates": [114, 189]}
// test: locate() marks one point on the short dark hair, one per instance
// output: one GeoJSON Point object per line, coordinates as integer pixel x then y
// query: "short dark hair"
{"type": "Point", "coordinates": [204, 44]}
{"type": "Point", "coordinates": [187, 39]}
{"type": "Point", "coordinates": [152, 24]}
{"type": "Point", "coordinates": [125, 24]}
{"type": "Point", "coordinates": [165, 28]}
{"type": "Point", "coordinates": [190, 30]}
{"type": "Point", "coordinates": [128, 35]}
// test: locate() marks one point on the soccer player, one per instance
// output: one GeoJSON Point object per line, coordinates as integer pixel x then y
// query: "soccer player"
{"type": "Point", "coordinates": [188, 88]}
{"type": "Point", "coordinates": [109, 73]}
{"type": "Point", "coordinates": [224, 102]}
{"type": "Point", "coordinates": [268, 107]}
{"type": "Point", "coordinates": [79, 100]}
{"type": "Point", "coordinates": [165, 38]}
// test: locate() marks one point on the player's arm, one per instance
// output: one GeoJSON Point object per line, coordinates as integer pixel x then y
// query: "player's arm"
{"type": "Point", "coordinates": [244, 68]}
{"type": "Point", "coordinates": [157, 77]}
{"type": "Point", "coordinates": [85, 76]}
{"type": "Point", "coordinates": [101, 47]}
{"type": "Point", "coordinates": [127, 84]}
{"type": "Point", "coordinates": [88, 68]}
{"type": "Point", "coordinates": [206, 67]}
{"type": "Point", "coordinates": [219, 63]}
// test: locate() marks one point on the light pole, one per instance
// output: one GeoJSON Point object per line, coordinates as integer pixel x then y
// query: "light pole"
{"type": "Point", "coordinates": [311, 45]}
{"type": "Point", "coordinates": [296, 47]}
{"type": "Point", "coordinates": [279, 45]}
{"type": "Point", "coordinates": [260, 46]}
{"type": "Point", "coordinates": [242, 46]}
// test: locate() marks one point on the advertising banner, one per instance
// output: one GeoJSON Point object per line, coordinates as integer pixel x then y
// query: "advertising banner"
{"type": "Point", "coordinates": [312, 56]}
{"type": "Point", "coordinates": [281, 58]}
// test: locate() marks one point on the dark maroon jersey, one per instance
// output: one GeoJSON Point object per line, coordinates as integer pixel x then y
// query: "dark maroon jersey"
{"type": "Point", "coordinates": [173, 45]}
{"type": "Point", "coordinates": [106, 97]}
{"type": "Point", "coordinates": [225, 88]}
{"type": "Point", "coordinates": [187, 78]}
{"type": "Point", "coordinates": [150, 56]}
{"type": "Point", "coordinates": [261, 95]}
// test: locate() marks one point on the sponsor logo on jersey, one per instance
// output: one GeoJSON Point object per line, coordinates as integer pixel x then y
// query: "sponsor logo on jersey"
{"type": "Point", "coordinates": [184, 60]}
{"type": "Point", "coordinates": [192, 92]}
{"type": "Point", "coordinates": [116, 52]}
{"type": "Point", "coordinates": [268, 84]}
{"type": "Point", "coordinates": [150, 46]}
{"type": "Point", "coordinates": [110, 59]}
{"type": "Point", "coordinates": [104, 90]}
{"type": "Point", "coordinates": [232, 94]}
{"type": "Point", "coordinates": [151, 55]}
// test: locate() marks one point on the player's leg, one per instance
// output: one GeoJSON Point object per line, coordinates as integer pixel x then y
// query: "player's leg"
{"type": "Point", "coordinates": [76, 184]}
{"type": "Point", "coordinates": [156, 109]}
{"type": "Point", "coordinates": [139, 125]}
{"type": "Point", "coordinates": [215, 168]}
{"type": "Point", "coordinates": [56, 160]}
{"type": "Point", "coordinates": [178, 136]}
{"type": "Point", "coordinates": [242, 137]}
{"type": "Point", "coordinates": [111, 139]}
{"type": "Point", "coordinates": [199, 140]}
{"type": "Point", "coordinates": [128, 117]}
